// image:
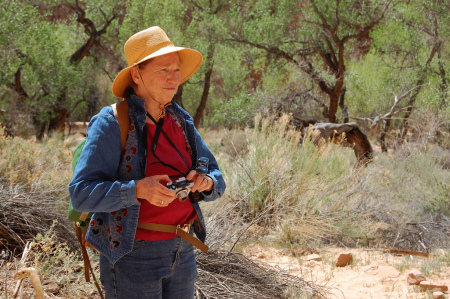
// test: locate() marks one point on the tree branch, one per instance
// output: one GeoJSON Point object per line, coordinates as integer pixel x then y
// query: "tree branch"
{"type": "Point", "coordinates": [196, 5]}
{"type": "Point", "coordinates": [375, 121]}
{"type": "Point", "coordinates": [90, 30]}
{"type": "Point", "coordinates": [368, 27]}
{"type": "Point", "coordinates": [304, 65]}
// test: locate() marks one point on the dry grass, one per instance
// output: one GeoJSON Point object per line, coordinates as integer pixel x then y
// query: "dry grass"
{"type": "Point", "coordinates": [41, 166]}
{"type": "Point", "coordinates": [306, 196]}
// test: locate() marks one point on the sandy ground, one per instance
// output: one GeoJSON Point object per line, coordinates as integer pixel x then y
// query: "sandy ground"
{"type": "Point", "coordinates": [373, 274]}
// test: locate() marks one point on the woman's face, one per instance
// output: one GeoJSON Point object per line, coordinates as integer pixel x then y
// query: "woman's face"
{"type": "Point", "coordinates": [161, 76]}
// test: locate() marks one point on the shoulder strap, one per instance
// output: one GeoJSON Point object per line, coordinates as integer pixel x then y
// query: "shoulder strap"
{"type": "Point", "coordinates": [121, 113]}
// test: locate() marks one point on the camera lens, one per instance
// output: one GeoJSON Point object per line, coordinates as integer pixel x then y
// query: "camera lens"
{"type": "Point", "coordinates": [182, 195]}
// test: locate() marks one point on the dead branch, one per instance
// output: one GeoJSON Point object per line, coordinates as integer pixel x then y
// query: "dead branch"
{"type": "Point", "coordinates": [377, 119]}
{"type": "Point", "coordinates": [25, 213]}
{"type": "Point", "coordinates": [405, 252]}
{"type": "Point", "coordinates": [236, 276]}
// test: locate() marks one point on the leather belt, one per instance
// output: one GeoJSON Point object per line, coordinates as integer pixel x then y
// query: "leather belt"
{"type": "Point", "coordinates": [180, 230]}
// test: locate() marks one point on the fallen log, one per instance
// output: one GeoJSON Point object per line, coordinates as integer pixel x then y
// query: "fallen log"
{"type": "Point", "coordinates": [347, 135]}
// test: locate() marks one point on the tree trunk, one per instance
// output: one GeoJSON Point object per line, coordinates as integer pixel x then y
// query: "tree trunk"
{"type": "Point", "coordinates": [443, 86]}
{"type": "Point", "coordinates": [201, 107]}
{"type": "Point", "coordinates": [420, 81]}
{"type": "Point", "coordinates": [58, 123]}
{"type": "Point", "coordinates": [386, 128]}
{"type": "Point", "coordinates": [335, 96]}
{"type": "Point", "coordinates": [178, 98]}
{"type": "Point", "coordinates": [342, 105]}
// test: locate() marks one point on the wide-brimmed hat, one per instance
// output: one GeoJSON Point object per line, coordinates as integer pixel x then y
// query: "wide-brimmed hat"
{"type": "Point", "coordinates": [151, 43]}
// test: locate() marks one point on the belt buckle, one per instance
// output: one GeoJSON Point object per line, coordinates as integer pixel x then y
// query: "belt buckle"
{"type": "Point", "coordinates": [186, 227]}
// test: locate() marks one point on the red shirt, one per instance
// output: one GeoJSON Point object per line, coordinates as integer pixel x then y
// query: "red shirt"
{"type": "Point", "coordinates": [176, 212]}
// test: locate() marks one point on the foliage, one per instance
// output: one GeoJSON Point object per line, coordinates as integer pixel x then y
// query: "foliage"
{"type": "Point", "coordinates": [27, 163]}
{"type": "Point", "coordinates": [39, 82]}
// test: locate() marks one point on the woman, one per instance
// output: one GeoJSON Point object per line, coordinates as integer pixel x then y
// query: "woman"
{"type": "Point", "coordinates": [138, 221]}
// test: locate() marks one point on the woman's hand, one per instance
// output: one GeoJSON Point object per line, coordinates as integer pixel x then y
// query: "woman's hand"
{"type": "Point", "coordinates": [202, 182]}
{"type": "Point", "coordinates": [152, 189]}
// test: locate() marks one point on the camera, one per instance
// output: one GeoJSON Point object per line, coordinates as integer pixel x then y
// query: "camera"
{"type": "Point", "coordinates": [182, 187]}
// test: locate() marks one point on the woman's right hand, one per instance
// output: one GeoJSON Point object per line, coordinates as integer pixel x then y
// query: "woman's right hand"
{"type": "Point", "coordinates": [152, 189]}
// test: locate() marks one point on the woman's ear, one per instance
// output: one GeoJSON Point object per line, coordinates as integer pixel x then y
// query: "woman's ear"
{"type": "Point", "coordinates": [135, 76]}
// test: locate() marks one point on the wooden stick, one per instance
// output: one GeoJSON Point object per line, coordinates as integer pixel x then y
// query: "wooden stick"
{"type": "Point", "coordinates": [406, 252]}
{"type": "Point", "coordinates": [399, 251]}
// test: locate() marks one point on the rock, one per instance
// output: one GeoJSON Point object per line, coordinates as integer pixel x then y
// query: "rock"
{"type": "Point", "coordinates": [313, 257]}
{"type": "Point", "coordinates": [388, 272]}
{"type": "Point", "coordinates": [415, 277]}
{"type": "Point", "coordinates": [427, 285]}
{"type": "Point", "coordinates": [438, 295]}
{"type": "Point", "coordinates": [344, 259]}
{"type": "Point", "coordinates": [52, 287]}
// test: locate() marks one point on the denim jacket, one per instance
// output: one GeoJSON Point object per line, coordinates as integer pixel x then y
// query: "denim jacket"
{"type": "Point", "coordinates": [104, 179]}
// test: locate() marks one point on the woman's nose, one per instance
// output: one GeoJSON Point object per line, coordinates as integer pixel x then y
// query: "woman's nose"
{"type": "Point", "coordinates": [174, 77]}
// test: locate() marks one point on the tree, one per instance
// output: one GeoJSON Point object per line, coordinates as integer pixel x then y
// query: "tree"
{"type": "Point", "coordinates": [410, 51]}
{"type": "Point", "coordinates": [33, 78]}
{"type": "Point", "coordinates": [432, 21]}
{"type": "Point", "coordinates": [316, 36]}
{"type": "Point", "coordinates": [47, 83]}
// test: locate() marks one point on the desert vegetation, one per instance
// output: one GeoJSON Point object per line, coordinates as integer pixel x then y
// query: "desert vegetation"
{"type": "Point", "coordinates": [271, 68]}
{"type": "Point", "coordinates": [283, 193]}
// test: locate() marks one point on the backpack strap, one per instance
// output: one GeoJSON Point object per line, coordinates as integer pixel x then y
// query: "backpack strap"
{"type": "Point", "coordinates": [87, 262]}
{"type": "Point", "coordinates": [121, 113]}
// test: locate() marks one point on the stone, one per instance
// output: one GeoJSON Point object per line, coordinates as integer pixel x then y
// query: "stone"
{"type": "Point", "coordinates": [438, 295]}
{"type": "Point", "coordinates": [344, 259]}
{"type": "Point", "coordinates": [414, 277]}
{"type": "Point", "coordinates": [313, 257]}
{"type": "Point", "coordinates": [52, 287]}
{"type": "Point", "coordinates": [434, 287]}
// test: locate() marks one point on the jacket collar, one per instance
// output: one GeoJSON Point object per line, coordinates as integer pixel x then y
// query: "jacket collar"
{"type": "Point", "coordinates": [137, 107]}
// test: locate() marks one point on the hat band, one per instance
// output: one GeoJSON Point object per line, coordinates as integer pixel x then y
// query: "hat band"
{"type": "Point", "coordinates": [152, 50]}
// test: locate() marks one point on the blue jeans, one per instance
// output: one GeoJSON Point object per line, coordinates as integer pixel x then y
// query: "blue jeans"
{"type": "Point", "coordinates": [154, 269]}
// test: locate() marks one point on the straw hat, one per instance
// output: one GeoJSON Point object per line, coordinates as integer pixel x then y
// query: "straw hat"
{"type": "Point", "coordinates": [150, 43]}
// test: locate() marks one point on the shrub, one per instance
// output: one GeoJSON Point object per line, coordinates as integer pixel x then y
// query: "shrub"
{"type": "Point", "coordinates": [308, 195]}
{"type": "Point", "coordinates": [25, 162]}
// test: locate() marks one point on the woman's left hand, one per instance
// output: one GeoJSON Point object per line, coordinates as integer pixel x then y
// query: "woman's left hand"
{"type": "Point", "coordinates": [202, 182]}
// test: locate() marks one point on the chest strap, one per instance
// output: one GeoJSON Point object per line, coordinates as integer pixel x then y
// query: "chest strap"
{"type": "Point", "coordinates": [180, 230]}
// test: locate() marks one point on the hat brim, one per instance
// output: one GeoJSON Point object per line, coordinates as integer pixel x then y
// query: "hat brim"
{"type": "Point", "coordinates": [190, 61]}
